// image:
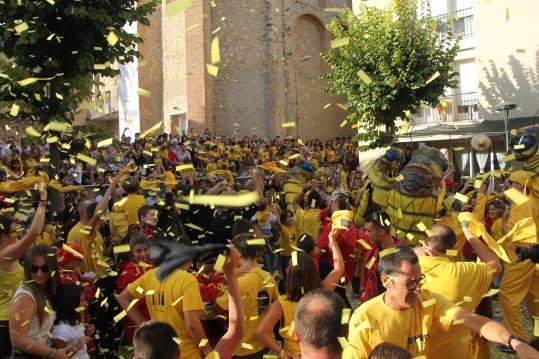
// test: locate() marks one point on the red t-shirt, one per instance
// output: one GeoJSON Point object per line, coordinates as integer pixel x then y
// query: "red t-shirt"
{"type": "Point", "coordinates": [347, 241]}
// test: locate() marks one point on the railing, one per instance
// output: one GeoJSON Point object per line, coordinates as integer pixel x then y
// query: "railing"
{"type": "Point", "coordinates": [461, 107]}
{"type": "Point", "coordinates": [105, 106]}
{"type": "Point", "coordinates": [459, 23]}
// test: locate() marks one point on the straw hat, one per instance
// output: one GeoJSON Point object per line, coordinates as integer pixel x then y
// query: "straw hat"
{"type": "Point", "coordinates": [481, 143]}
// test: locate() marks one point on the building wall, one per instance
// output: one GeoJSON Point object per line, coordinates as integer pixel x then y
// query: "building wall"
{"type": "Point", "coordinates": [503, 73]}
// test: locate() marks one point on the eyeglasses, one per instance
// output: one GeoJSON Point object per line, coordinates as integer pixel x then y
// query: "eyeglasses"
{"type": "Point", "coordinates": [413, 283]}
{"type": "Point", "coordinates": [44, 268]}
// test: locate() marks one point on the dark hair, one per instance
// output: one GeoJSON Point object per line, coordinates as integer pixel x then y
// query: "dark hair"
{"type": "Point", "coordinates": [318, 319]}
{"type": "Point", "coordinates": [66, 301]}
{"type": "Point", "coordinates": [42, 296]}
{"type": "Point", "coordinates": [391, 263]}
{"type": "Point", "coordinates": [342, 202]}
{"type": "Point", "coordinates": [241, 226]}
{"type": "Point", "coordinates": [155, 340]}
{"type": "Point", "coordinates": [389, 351]}
{"type": "Point", "coordinates": [130, 184]}
{"type": "Point", "coordinates": [5, 225]}
{"type": "Point", "coordinates": [306, 243]}
{"type": "Point", "coordinates": [284, 216]}
{"type": "Point", "coordinates": [301, 278]}
{"type": "Point", "coordinates": [442, 240]}
{"type": "Point", "coordinates": [144, 210]}
{"type": "Point", "coordinates": [136, 238]}
{"type": "Point", "coordinates": [380, 219]}
{"type": "Point", "coordinates": [246, 251]}
{"type": "Point", "coordinates": [90, 210]}
{"type": "Point", "coordinates": [497, 203]}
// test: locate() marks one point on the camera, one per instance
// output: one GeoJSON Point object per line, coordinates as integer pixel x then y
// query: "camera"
{"type": "Point", "coordinates": [531, 253]}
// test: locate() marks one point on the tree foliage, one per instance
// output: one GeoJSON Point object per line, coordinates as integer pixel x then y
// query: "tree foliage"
{"type": "Point", "coordinates": [52, 48]}
{"type": "Point", "coordinates": [395, 60]}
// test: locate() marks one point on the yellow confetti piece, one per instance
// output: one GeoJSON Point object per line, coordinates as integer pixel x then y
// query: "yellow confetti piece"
{"type": "Point", "coordinates": [490, 293]}
{"type": "Point", "coordinates": [433, 77]}
{"type": "Point", "coordinates": [536, 327]}
{"type": "Point", "coordinates": [340, 42]}
{"type": "Point", "coordinates": [144, 93]}
{"type": "Point", "coordinates": [345, 315]}
{"type": "Point", "coordinates": [195, 227]}
{"type": "Point", "coordinates": [152, 129]}
{"type": "Point", "coordinates": [97, 293]}
{"type": "Point", "coordinates": [342, 124]}
{"type": "Point", "coordinates": [355, 125]}
{"type": "Point", "coordinates": [288, 124]}
{"type": "Point", "coordinates": [119, 316]}
{"type": "Point", "coordinates": [177, 301]}
{"type": "Point", "coordinates": [399, 178]}
{"type": "Point", "coordinates": [215, 54]}
{"type": "Point", "coordinates": [508, 158]}
{"type": "Point", "coordinates": [294, 258]}
{"type": "Point", "coordinates": [364, 77]}
{"type": "Point", "coordinates": [364, 244]}
{"type": "Point", "coordinates": [30, 131]}
{"type": "Point", "coordinates": [177, 6]}
{"type": "Point", "coordinates": [428, 303]}
{"type": "Point", "coordinates": [520, 51]}
{"type": "Point", "coordinates": [213, 355]}
{"type": "Point", "coordinates": [459, 321]}
{"type": "Point", "coordinates": [212, 69]}
{"type": "Point", "coordinates": [421, 226]}
{"type": "Point", "coordinates": [370, 263]}
{"type": "Point", "coordinates": [342, 107]}
{"type": "Point", "coordinates": [388, 251]}
{"type": "Point", "coordinates": [27, 81]}
{"type": "Point", "coordinates": [124, 248]}
{"type": "Point", "coordinates": [177, 340]}
{"type": "Point", "coordinates": [457, 149]}
{"type": "Point", "coordinates": [519, 147]}
{"type": "Point", "coordinates": [256, 242]}
{"type": "Point", "coordinates": [326, 106]}
{"type": "Point", "coordinates": [451, 252]}
{"type": "Point", "coordinates": [506, 14]}
{"type": "Point", "coordinates": [80, 309]}
{"type": "Point", "coordinates": [57, 126]}
{"type": "Point", "coordinates": [283, 162]}
{"type": "Point", "coordinates": [293, 157]}
{"type": "Point", "coordinates": [100, 66]}
{"type": "Point", "coordinates": [52, 139]}
{"type": "Point", "coordinates": [247, 346]}
{"type": "Point", "coordinates": [516, 196]}
{"type": "Point", "coordinates": [203, 343]}
{"type": "Point", "coordinates": [105, 143]}
{"type": "Point", "coordinates": [461, 197]}
{"type": "Point", "coordinates": [219, 263]}
{"type": "Point", "coordinates": [467, 299]}
{"type": "Point", "coordinates": [188, 166]}
{"type": "Point", "coordinates": [239, 200]}
{"type": "Point", "coordinates": [22, 27]}
{"type": "Point", "coordinates": [86, 159]}
{"type": "Point", "coordinates": [14, 110]}
{"type": "Point", "coordinates": [72, 251]}
{"type": "Point", "coordinates": [112, 38]}
{"type": "Point", "coordinates": [291, 328]}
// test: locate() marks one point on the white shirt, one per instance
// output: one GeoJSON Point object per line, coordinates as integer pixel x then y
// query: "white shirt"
{"type": "Point", "coordinates": [70, 334]}
{"type": "Point", "coordinates": [36, 332]}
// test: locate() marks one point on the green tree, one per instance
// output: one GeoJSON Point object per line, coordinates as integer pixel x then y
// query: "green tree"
{"type": "Point", "coordinates": [388, 62]}
{"type": "Point", "coordinates": [51, 50]}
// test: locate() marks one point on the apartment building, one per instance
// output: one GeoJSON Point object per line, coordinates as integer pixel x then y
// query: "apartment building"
{"type": "Point", "coordinates": [498, 62]}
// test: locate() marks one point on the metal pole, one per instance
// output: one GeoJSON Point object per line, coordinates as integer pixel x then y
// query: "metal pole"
{"type": "Point", "coordinates": [506, 120]}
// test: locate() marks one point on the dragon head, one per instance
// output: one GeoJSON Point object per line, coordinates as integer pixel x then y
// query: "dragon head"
{"type": "Point", "coordinates": [526, 143]}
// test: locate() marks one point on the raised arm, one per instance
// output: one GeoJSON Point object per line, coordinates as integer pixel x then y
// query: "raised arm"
{"type": "Point", "coordinates": [335, 275]}
{"type": "Point", "coordinates": [483, 252]}
{"type": "Point", "coordinates": [236, 317]}
{"type": "Point", "coordinates": [16, 250]}
{"type": "Point", "coordinates": [103, 202]}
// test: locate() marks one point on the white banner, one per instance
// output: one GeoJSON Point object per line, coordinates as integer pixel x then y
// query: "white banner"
{"type": "Point", "coordinates": [128, 109]}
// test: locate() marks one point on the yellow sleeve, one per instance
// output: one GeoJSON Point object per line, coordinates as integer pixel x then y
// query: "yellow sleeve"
{"type": "Point", "coordinates": [359, 338]}
{"type": "Point", "coordinates": [192, 301]}
{"type": "Point", "coordinates": [444, 310]}
{"type": "Point", "coordinates": [479, 208]}
{"type": "Point", "coordinates": [299, 220]}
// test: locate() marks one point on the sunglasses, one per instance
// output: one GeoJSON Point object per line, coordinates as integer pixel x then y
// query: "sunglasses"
{"type": "Point", "coordinates": [44, 268]}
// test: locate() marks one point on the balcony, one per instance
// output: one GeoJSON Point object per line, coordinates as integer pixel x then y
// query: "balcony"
{"type": "Point", "coordinates": [107, 107]}
{"type": "Point", "coordinates": [456, 24]}
{"type": "Point", "coordinates": [462, 107]}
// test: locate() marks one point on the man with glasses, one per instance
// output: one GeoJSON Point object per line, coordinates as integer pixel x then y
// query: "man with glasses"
{"type": "Point", "coordinates": [405, 315]}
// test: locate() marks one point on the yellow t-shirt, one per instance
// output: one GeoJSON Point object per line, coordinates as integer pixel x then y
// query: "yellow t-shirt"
{"type": "Point", "coordinates": [331, 156]}
{"type": "Point", "coordinates": [92, 246]}
{"type": "Point", "coordinates": [455, 281]}
{"type": "Point", "coordinates": [176, 294]}
{"type": "Point", "coordinates": [251, 285]}
{"type": "Point", "coordinates": [9, 282]}
{"type": "Point", "coordinates": [118, 224]}
{"type": "Point", "coordinates": [170, 179]}
{"type": "Point", "coordinates": [212, 166]}
{"type": "Point", "coordinates": [288, 237]}
{"type": "Point", "coordinates": [44, 238]}
{"type": "Point", "coordinates": [496, 230]}
{"type": "Point", "coordinates": [131, 207]}
{"type": "Point", "coordinates": [308, 222]}
{"type": "Point", "coordinates": [410, 329]}
{"type": "Point", "coordinates": [291, 345]}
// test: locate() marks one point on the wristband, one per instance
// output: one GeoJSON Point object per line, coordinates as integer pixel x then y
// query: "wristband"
{"type": "Point", "coordinates": [511, 338]}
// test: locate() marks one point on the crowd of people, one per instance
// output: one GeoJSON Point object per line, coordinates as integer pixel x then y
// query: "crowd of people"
{"type": "Point", "coordinates": [78, 278]}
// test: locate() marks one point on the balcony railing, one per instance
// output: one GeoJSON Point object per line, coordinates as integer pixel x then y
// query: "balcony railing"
{"type": "Point", "coordinates": [461, 107]}
{"type": "Point", "coordinates": [105, 106]}
{"type": "Point", "coordinates": [459, 23]}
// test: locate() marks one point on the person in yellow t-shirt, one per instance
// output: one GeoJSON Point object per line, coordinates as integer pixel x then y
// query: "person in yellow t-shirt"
{"type": "Point", "coordinates": [308, 216]}
{"type": "Point", "coordinates": [258, 291]}
{"type": "Point", "coordinates": [460, 282]}
{"type": "Point", "coordinates": [130, 204]}
{"type": "Point", "coordinates": [301, 278]}
{"type": "Point", "coordinates": [211, 166]}
{"type": "Point", "coordinates": [174, 308]}
{"type": "Point", "coordinates": [520, 281]}
{"type": "Point", "coordinates": [288, 238]}
{"type": "Point", "coordinates": [405, 315]}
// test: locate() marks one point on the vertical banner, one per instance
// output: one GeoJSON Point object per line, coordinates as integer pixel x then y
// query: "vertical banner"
{"type": "Point", "coordinates": [128, 109]}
